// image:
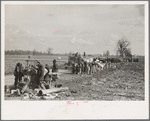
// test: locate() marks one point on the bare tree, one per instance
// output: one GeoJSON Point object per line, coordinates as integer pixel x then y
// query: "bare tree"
{"type": "Point", "coordinates": [123, 47]}
{"type": "Point", "coordinates": [34, 52]}
{"type": "Point", "coordinates": [106, 54]}
{"type": "Point", "coordinates": [49, 50]}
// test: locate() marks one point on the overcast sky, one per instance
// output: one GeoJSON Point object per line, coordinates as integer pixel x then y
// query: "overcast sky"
{"type": "Point", "coordinates": [74, 28]}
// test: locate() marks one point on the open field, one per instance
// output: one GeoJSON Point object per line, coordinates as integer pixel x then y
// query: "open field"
{"type": "Point", "coordinates": [125, 83]}
{"type": "Point", "coordinates": [12, 60]}
{"type": "Point", "coordinates": [63, 57]}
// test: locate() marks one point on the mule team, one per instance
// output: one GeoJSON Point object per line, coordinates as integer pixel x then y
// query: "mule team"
{"type": "Point", "coordinates": [92, 65]}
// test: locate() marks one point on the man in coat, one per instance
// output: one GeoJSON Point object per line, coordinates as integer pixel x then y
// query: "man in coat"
{"type": "Point", "coordinates": [55, 66]}
{"type": "Point", "coordinates": [40, 74]}
{"type": "Point", "coordinates": [18, 73]}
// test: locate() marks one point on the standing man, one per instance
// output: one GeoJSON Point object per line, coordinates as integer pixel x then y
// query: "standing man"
{"type": "Point", "coordinates": [40, 73]}
{"type": "Point", "coordinates": [18, 73]}
{"type": "Point", "coordinates": [74, 67]}
{"type": "Point", "coordinates": [79, 64]}
{"type": "Point", "coordinates": [55, 66]}
{"type": "Point", "coordinates": [84, 55]}
{"type": "Point", "coordinates": [85, 66]}
{"type": "Point", "coordinates": [82, 66]}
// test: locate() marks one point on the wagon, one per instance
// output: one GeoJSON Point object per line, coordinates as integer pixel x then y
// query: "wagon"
{"type": "Point", "coordinates": [71, 60]}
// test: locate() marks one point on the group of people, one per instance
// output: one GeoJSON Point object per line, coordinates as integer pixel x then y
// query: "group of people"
{"type": "Point", "coordinates": [37, 75]}
{"type": "Point", "coordinates": [83, 65]}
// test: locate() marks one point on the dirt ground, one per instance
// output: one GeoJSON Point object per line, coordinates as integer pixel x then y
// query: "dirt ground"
{"type": "Point", "coordinates": [123, 83]}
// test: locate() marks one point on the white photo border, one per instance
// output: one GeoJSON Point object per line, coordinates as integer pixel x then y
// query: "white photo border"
{"type": "Point", "coordinates": [50, 110]}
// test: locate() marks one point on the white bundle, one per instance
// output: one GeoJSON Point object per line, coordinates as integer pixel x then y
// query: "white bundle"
{"type": "Point", "coordinates": [91, 60]}
{"type": "Point", "coordinates": [97, 61]}
{"type": "Point", "coordinates": [84, 59]}
{"type": "Point", "coordinates": [87, 60]}
{"type": "Point", "coordinates": [45, 71]}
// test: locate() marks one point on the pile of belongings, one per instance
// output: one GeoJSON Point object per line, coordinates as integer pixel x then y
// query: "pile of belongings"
{"type": "Point", "coordinates": [29, 88]}
{"type": "Point", "coordinates": [36, 94]}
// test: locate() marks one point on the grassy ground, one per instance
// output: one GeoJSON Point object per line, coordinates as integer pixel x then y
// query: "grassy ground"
{"type": "Point", "coordinates": [122, 83]}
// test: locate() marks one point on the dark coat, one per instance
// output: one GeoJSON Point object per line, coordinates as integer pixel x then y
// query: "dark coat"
{"type": "Point", "coordinates": [55, 68]}
{"type": "Point", "coordinates": [18, 70]}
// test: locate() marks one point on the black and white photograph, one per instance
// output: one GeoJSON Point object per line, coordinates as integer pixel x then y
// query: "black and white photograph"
{"type": "Point", "coordinates": [76, 53]}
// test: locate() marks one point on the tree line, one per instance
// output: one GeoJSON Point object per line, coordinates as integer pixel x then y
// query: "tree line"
{"type": "Point", "coordinates": [122, 50]}
{"type": "Point", "coordinates": [32, 52]}
{"type": "Point", "coordinates": [25, 52]}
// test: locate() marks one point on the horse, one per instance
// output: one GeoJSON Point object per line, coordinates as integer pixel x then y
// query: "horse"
{"type": "Point", "coordinates": [88, 65]}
